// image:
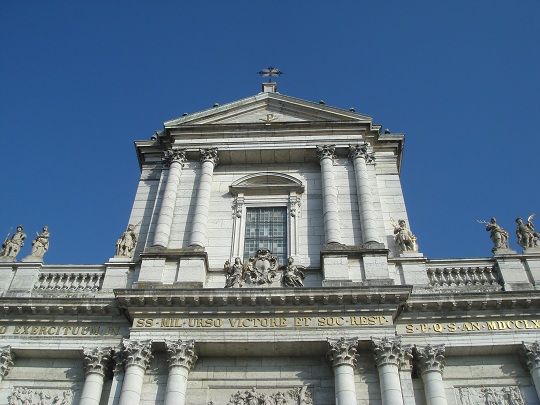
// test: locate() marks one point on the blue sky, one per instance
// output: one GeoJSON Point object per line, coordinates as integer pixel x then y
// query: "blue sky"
{"type": "Point", "coordinates": [80, 81]}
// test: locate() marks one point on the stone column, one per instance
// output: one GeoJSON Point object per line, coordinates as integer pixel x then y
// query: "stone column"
{"type": "Point", "coordinates": [431, 363]}
{"type": "Point", "coordinates": [387, 353]}
{"type": "Point", "coordinates": [209, 159]}
{"type": "Point", "coordinates": [531, 355]}
{"type": "Point", "coordinates": [360, 157]}
{"type": "Point", "coordinates": [137, 357]}
{"type": "Point", "coordinates": [6, 361]}
{"type": "Point", "coordinates": [175, 159]}
{"type": "Point", "coordinates": [182, 358]}
{"type": "Point", "coordinates": [332, 229]}
{"type": "Point", "coordinates": [342, 357]}
{"type": "Point", "coordinates": [96, 362]}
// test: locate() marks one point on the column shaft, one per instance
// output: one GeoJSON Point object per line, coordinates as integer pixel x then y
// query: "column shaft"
{"type": "Point", "coordinates": [390, 384]}
{"type": "Point", "coordinates": [132, 386]}
{"type": "Point", "coordinates": [434, 388]}
{"type": "Point", "coordinates": [92, 389]}
{"type": "Point", "coordinates": [344, 384]}
{"type": "Point", "coordinates": [166, 212]}
{"type": "Point", "coordinates": [535, 374]}
{"type": "Point", "coordinates": [365, 201]}
{"type": "Point", "coordinates": [200, 218]}
{"type": "Point", "coordinates": [176, 386]}
{"type": "Point", "coordinates": [332, 229]}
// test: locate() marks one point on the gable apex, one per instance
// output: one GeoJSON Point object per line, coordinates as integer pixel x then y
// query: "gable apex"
{"type": "Point", "coordinates": [266, 108]}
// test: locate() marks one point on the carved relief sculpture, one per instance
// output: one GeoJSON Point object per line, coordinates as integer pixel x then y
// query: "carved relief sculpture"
{"type": "Point", "coordinates": [261, 268]}
{"type": "Point", "coordinates": [527, 238]}
{"type": "Point", "coordinates": [403, 237]}
{"type": "Point", "coordinates": [293, 275]}
{"type": "Point", "coordinates": [11, 247]}
{"type": "Point", "coordinates": [295, 396]}
{"type": "Point", "coordinates": [6, 361]}
{"type": "Point", "coordinates": [126, 243]}
{"type": "Point", "coordinates": [40, 396]}
{"type": "Point", "coordinates": [495, 395]}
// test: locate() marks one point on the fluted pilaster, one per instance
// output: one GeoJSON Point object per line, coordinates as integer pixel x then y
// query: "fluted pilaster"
{"type": "Point", "coordinates": [431, 363]}
{"type": "Point", "coordinates": [342, 357]}
{"type": "Point", "coordinates": [174, 159]}
{"type": "Point", "coordinates": [182, 357]}
{"type": "Point", "coordinates": [332, 230]}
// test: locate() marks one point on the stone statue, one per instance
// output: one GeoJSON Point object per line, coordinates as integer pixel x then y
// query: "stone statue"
{"type": "Point", "coordinates": [235, 273]}
{"type": "Point", "coordinates": [404, 237]}
{"type": "Point", "coordinates": [527, 238]}
{"type": "Point", "coordinates": [261, 268]}
{"type": "Point", "coordinates": [293, 276]}
{"type": "Point", "coordinates": [11, 247]}
{"type": "Point", "coordinates": [497, 234]}
{"type": "Point", "coordinates": [40, 245]}
{"type": "Point", "coordinates": [126, 243]}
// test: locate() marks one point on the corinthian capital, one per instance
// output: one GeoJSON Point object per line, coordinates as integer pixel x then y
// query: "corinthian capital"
{"type": "Point", "coordinates": [326, 151]}
{"type": "Point", "coordinates": [360, 151]}
{"type": "Point", "coordinates": [430, 358]}
{"type": "Point", "coordinates": [386, 350]}
{"type": "Point", "coordinates": [209, 155]}
{"type": "Point", "coordinates": [6, 361]}
{"type": "Point", "coordinates": [342, 351]}
{"type": "Point", "coordinates": [174, 155]}
{"type": "Point", "coordinates": [97, 360]}
{"type": "Point", "coordinates": [181, 353]}
{"type": "Point", "coordinates": [531, 354]}
{"type": "Point", "coordinates": [137, 353]}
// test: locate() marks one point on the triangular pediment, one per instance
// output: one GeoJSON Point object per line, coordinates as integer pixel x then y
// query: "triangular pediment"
{"type": "Point", "coordinates": [266, 109]}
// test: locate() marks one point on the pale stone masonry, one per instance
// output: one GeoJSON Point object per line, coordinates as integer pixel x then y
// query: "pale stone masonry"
{"type": "Point", "coordinates": [234, 205]}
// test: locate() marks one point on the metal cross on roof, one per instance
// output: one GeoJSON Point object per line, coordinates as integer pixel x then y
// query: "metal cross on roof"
{"type": "Point", "coordinates": [271, 72]}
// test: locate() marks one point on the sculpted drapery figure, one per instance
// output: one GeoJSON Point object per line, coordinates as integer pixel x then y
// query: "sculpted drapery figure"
{"type": "Point", "coordinates": [40, 245]}
{"type": "Point", "coordinates": [293, 276]}
{"type": "Point", "coordinates": [11, 247]}
{"type": "Point", "coordinates": [404, 238]}
{"type": "Point", "coordinates": [497, 234]}
{"type": "Point", "coordinates": [235, 273]}
{"type": "Point", "coordinates": [527, 238]}
{"type": "Point", "coordinates": [126, 243]}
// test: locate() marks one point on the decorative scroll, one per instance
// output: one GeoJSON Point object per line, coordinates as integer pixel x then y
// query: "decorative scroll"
{"type": "Point", "coordinates": [181, 353]}
{"type": "Point", "coordinates": [97, 360]}
{"type": "Point", "coordinates": [386, 350]}
{"type": "Point", "coordinates": [431, 358]}
{"type": "Point", "coordinates": [295, 396]}
{"type": "Point", "coordinates": [342, 351]}
{"type": "Point", "coordinates": [40, 396]}
{"type": "Point", "coordinates": [509, 395]}
{"type": "Point", "coordinates": [361, 151]}
{"type": "Point", "coordinates": [137, 353]}
{"type": "Point", "coordinates": [174, 155]}
{"type": "Point", "coordinates": [326, 151]}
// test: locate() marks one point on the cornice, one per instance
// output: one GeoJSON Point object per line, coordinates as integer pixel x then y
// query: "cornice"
{"type": "Point", "coordinates": [47, 306]}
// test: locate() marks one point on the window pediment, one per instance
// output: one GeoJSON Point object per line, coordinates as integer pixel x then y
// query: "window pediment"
{"type": "Point", "coordinates": [268, 183]}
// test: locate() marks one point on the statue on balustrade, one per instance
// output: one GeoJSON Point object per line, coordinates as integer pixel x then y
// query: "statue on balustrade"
{"type": "Point", "coordinates": [126, 243]}
{"type": "Point", "coordinates": [293, 275]}
{"type": "Point", "coordinates": [11, 247]}
{"type": "Point", "coordinates": [235, 273]}
{"type": "Point", "coordinates": [403, 237]}
{"type": "Point", "coordinates": [40, 245]}
{"type": "Point", "coordinates": [527, 238]}
{"type": "Point", "coordinates": [498, 235]}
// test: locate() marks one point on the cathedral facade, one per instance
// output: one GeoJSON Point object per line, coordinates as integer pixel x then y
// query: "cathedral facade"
{"type": "Point", "coordinates": [269, 260]}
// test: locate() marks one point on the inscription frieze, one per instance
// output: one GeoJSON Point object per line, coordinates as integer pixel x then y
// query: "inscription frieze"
{"type": "Point", "coordinates": [62, 330]}
{"type": "Point", "coordinates": [469, 326]}
{"type": "Point", "coordinates": [265, 322]}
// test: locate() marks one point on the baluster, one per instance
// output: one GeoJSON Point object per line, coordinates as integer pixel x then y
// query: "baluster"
{"type": "Point", "coordinates": [431, 277]}
{"type": "Point", "coordinates": [454, 273]}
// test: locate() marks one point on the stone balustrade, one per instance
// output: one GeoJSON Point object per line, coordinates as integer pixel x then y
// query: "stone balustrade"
{"type": "Point", "coordinates": [480, 276]}
{"type": "Point", "coordinates": [69, 282]}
